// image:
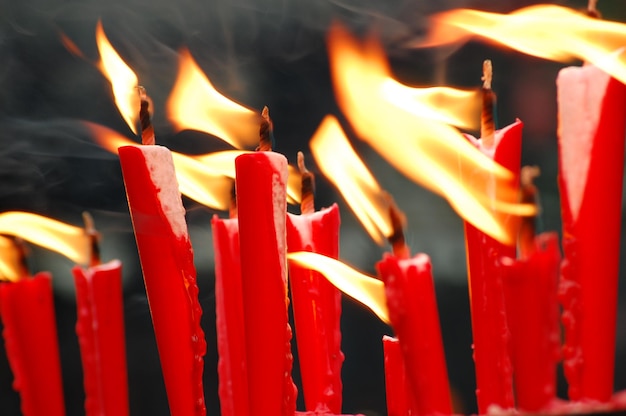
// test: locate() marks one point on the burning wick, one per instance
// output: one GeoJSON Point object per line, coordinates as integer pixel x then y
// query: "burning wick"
{"type": "Point", "coordinates": [232, 208]}
{"type": "Point", "coordinates": [592, 10]}
{"type": "Point", "coordinates": [307, 204]}
{"type": "Point", "coordinates": [398, 222]}
{"type": "Point", "coordinates": [21, 269]}
{"type": "Point", "coordinates": [266, 132]}
{"type": "Point", "coordinates": [147, 131]}
{"type": "Point", "coordinates": [487, 124]}
{"type": "Point", "coordinates": [530, 195]}
{"type": "Point", "coordinates": [94, 238]}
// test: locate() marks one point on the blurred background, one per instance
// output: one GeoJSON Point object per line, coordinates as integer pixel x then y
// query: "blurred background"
{"type": "Point", "coordinates": [256, 52]}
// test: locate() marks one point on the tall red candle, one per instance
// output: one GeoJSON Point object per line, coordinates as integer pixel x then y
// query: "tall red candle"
{"type": "Point", "coordinates": [166, 257]}
{"type": "Point", "coordinates": [30, 335]}
{"type": "Point", "coordinates": [591, 108]}
{"type": "Point", "coordinates": [261, 179]}
{"type": "Point", "coordinates": [414, 317]}
{"type": "Point", "coordinates": [530, 287]}
{"type": "Point", "coordinates": [494, 374]}
{"type": "Point", "coordinates": [317, 310]}
{"type": "Point", "coordinates": [231, 342]}
{"type": "Point", "coordinates": [100, 330]}
{"type": "Point", "coordinates": [400, 401]}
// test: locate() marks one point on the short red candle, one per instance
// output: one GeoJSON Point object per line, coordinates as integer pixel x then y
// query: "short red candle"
{"type": "Point", "coordinates": [261, 179]}
{"type": "Point", "coordinates": [414, 317]}
{"type": "Point", "coordinates": [494, 373]}
{"type": "Point", "coordinates": [30, 335]}
{"type": "Point", "coordinates": [100, 330]}
{"type": "Point", "coordinates": [231, 342]}
{"type": "Point", "coordinates": [532, 308]}
{"type": "Point", "coordinates": [316, 307]}
{"type": "Point", "coordinates": [400, 401]}
{"type": "Point", "coordinates": [591, 108]}
{"type": "Point", "coordinates": [169, 274]}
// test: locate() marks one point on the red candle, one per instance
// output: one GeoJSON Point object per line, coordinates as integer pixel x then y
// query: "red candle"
{"type": "Point", "coordinates": [317, 310]}
{"type": "Point", "coordinates": [400, 401]}
{"type": "Point", "coordinates": [30, 335]}
{"type": "Point", "coordinates": [261, 179]}
{"type": "Point", "coordinates": [494, 380]}
{"type": "Point", "coordinates": [414, 317]}
{"type": "Point", "coordinates": [169, 274]}
{"type": "Point", "coordinates": [591, 108]}
{"type": "Point", "coordinates": [100, 330]}
{"type": "Point", "coordinates": [530, 286]}
{"type": "Point", "coordinates": [231, 342]}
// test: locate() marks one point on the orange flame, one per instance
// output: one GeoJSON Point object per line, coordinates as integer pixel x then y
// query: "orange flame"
{"type": "Point", "coordinates": [68, 240]}
{"type": "Point", "coordinates": [365, 289]}
{"type": "Point", "coordinates": [123, 80]}
{"type": "Point", "coordinates": [9, 260]}
{"type": "Point", "coordinates": [341, 165]}
{"type": "Point", "coordinates": [196, 180]}
{"type": "Point", "coordinates": [422, 146]}
{"type": "Point", "coordinates": [196, 105]}
{"type": "Point", "coordinates": [545, 31]}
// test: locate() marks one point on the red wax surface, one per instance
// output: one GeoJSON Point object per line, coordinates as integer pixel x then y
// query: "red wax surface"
{"type": "Point", "coordinates": [30, 336]}
{"type": "Point", "coordinates": [170, 280]}
{"type": "Point", "coordinates": [530, 287]}
{"type": "Point", "coordinates": [231, 342]}
{"type": "Point", "coordinates": [317, 309]}
{"type": "Point", "coordinates": [100, 330]}
{"type": "Point", "coordinates": [594, 104]}
{"type": "Point", "coordinates": [261, 179]}
{"type": "Point", "coordinates": [400, 401]}
{"type": "Point", "coordinates": [494, 373]}
{"type": "Point", "coordinates": [415, 320]}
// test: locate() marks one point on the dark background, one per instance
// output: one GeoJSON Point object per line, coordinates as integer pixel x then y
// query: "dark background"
{"type": "Point", "coordinates": [268, 52]}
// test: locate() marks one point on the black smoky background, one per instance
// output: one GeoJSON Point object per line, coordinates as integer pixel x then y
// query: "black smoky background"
{"type": "Point", "coordinates": [256, 52]}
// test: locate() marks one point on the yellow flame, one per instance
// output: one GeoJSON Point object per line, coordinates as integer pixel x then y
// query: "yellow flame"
{"type": "Point", "coordinates": [342, 166]}
{"type": "Point", "coordinates": [546, 31]}
{"type": "Point", "coordinates": [68, 240]}
{"type": "Point", "coordinates": [224, 163]}
{"type": "Point", "coordinates": [195, 104]}
{"type": "Point", "coordinates": [196, 180]}
{"type": "Point", "coordinates": [9, 260]}
{"type": "Point", "coordinates": [425, 149]}
{"type": "Point", "coordinates": [365, 289]}
{"type": "Point", "coordinates": [123, 80]}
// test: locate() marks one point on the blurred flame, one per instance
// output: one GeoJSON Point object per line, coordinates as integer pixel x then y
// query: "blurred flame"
{"type": "Point", "coordinates": [365, 289]}
{"type": "Point", "coordinates": [123, 80]}
{"type": "Point", "coordinates": [545, 31]}
{"type": "Point", "coordinates": [68, 240]}
{"type": "Point", "coordinates": [341, 165]}
{"type": "Point", "coordinates": [9, 260]}
{"type": "Point", "coordinates": [196, 180]}
{"type": "Point", "coordinates": [428, 151]}
{"type": "Point", "coordinates": [196, 105]}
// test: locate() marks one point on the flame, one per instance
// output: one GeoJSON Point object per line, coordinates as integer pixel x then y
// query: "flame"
{"type": "Point", "coordinates": [196, 105]}
{"type": "Point", "coordinates": [421, 145]}
{"type": "Point", "coordinates": [122, 79]}
{"type": "Point", "coordinates": [68, 240]}
{"type": "Point", "coordinates": [9, 260]}
{"type": "Point", "coordinates": [196, 180]}
{"type": "Point", "coordinates": [545, 31]}
{"type": "Point", "coordinates": [365, 289]}
{"type": "Point", "coordinates": [341, 165]}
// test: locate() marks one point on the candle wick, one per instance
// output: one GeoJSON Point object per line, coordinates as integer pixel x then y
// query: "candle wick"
{"type": "Point", "coordinates": [94, 239]}
{"type": "Point", "coordinates": [487, 122]}
{"type": "Point", "coordinates": [307, 204]}
{"type": "Point", "coordinates": [232, 209]}
{"type": "Point", "coordinates": [529, 195]}
{"type": "Point", "coordinates": [398, 222]}
{"type": "Point", "coordinates": [145, 117]}
{"type": "Point", "coordinates": [266, 132]}
{"type": "Point", "coordinates": [592, 9]}
{"type": "Point", "coordinates": [22, 252]}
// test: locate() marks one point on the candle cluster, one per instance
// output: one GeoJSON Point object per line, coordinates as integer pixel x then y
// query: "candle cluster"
{"type": "Point", "coordinates": [535, 302]}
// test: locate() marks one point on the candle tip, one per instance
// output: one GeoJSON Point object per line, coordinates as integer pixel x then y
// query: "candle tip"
{"type": "Point", "coordinates": [398, 223]}
{"type": "Point", "coordinates": [266, 132]}
{"type": "Point", "coordinates": [145, 117]}
{"type": "Point", "coordinates": [94, 239]}
{"type": "Point", "coordinates": [307, 204]}
{"type": "Point", "coordinates": [592, 9]}
{"type": "Point", "coordinates": [487, 74]}
{"type": "Point", "coordinates": [487, 122]}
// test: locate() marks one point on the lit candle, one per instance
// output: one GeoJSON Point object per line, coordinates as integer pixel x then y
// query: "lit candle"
{"type": "Point", "coordinates": [261, 180]}
{"type": "Point", "coordinates": [100, 330]}
{"type": "Point", "coordinates": [591, 108]}
{"type": "Point", "coordinates": [316, 302]}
